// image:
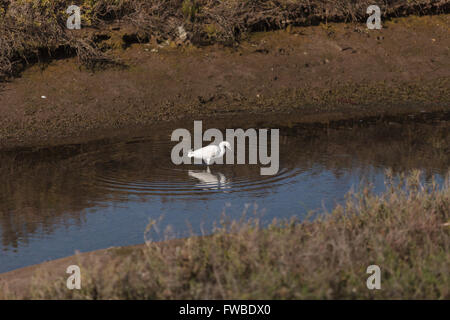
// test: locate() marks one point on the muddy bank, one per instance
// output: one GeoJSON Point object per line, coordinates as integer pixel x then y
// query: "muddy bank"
{"type": "Point", "coordinates": [310, 74]}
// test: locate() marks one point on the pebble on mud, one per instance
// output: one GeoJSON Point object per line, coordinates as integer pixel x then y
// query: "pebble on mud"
{"type": "Point", "coordinates": [182, 34]}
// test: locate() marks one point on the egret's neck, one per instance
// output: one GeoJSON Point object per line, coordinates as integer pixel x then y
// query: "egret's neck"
{"type": "Point", "coordinates": [222, 149]}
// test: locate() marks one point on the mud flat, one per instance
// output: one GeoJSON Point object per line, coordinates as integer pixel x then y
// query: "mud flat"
{"type": "Point", "coordinates": [316, 74]}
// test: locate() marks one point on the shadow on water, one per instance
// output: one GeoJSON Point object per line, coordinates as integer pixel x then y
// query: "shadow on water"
{"type": "Point", "coordinates": [100, 194]}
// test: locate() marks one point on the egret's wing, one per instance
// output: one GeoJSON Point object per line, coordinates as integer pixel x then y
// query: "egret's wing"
{"type": "Point", "coordinates": [207, 152]}
{"type": "Point", "coordinates": [200, 153]}
{"type": "Point", "coordinates": [215, 151]}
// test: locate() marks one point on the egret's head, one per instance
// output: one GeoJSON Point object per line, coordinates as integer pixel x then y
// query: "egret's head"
{"type": "Point", "coordinates": [225, 144]}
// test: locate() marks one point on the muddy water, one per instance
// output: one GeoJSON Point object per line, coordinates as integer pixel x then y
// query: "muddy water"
{"type": "Point", "coordinates": [90, 196]}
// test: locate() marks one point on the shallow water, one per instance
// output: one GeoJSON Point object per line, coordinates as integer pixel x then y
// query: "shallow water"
{"type": "Point", "coordinates": [103, 194]}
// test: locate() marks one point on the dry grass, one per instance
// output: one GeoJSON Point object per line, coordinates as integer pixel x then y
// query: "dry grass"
{"type": "Point", "coordinates": [404, 231]}
{"type": "Point", "coordinates": [33, 30]}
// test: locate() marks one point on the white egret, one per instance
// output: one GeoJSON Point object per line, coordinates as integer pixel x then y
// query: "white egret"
{"type": "Point", "coordinates": [211, 152]}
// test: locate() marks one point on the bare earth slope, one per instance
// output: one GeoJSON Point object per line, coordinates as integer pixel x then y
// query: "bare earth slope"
{"type": "Point", "coordinates": [321, 73]}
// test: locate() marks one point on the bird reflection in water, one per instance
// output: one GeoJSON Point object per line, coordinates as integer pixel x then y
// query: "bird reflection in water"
{"type": "Point", "coordinates": [208, 180]}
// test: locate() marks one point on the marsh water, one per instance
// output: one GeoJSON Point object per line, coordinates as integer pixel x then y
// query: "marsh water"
{"type": "Point", "coordinates": [89, 196]}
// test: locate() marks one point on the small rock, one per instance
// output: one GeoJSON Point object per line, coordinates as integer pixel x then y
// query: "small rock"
{"type": "Point", "coordinates": [262, 50]}
{"type": "Point", "coordinates": [164, 43]}
{"type": "Point", "coordinates": [182, 33]}
{"type": "Point", "coordinates": [43, 97]}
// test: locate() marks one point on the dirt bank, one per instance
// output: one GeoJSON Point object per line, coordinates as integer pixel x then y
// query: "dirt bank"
{"type": "Point", "coordinates": [312, 74]}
